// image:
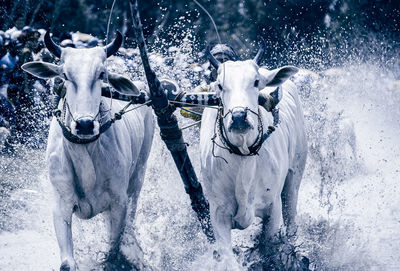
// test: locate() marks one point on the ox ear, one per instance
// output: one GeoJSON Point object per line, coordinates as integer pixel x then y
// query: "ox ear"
{"type": "Point", "coordinates": [276, 77]}
{"type": "Point", "coordinates": [122, 84]}
{"type": "Point", "coordinates": [42, 70]}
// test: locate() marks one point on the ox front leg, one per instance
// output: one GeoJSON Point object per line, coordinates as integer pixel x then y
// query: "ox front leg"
{"type": "Point", "coordinates": [117, 215]}
{"type": "Point", "coordinates": [272, 223]}
{"type": "Point", "coordinates": [270, 229]}
{"type": "Point", "coordinates": [277, 250]}
{"type": "Point", "coordinates": [62, 218]}
{"type": "Point", "coordinates": [221, 220]}
{"type": "Point", "coordinates": [289, 202]}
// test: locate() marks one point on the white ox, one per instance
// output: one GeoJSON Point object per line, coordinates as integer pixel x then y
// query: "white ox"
{"type": "Point", "coordinates": [240, 188]}
{"type": "Point", "coordinates": [103, 175]}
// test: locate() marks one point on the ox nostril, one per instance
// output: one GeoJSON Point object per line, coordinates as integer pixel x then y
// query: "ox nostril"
{"type": "Point", "coordinates": [240, 123]}
{"type": "Point", "coordinates": [84, 126]}
{"type": "Point", "coordinates": [239, 115]}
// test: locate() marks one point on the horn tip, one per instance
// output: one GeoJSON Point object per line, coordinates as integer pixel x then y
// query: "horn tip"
{"type": "Point", "coordinates": [208, 50]}
{"type": "Point", "coordinates": [47, 36]}
{"type": "Point", "coordinates": [51, 46]}
{"type": "Point", "coordinates": [211, 58]}
{"type": "Point", "coordinates": [118, 35]}
{"type": "Point", "coordinates": [113, 47]}
{"type": "Point", "coordinates": [263, 42]}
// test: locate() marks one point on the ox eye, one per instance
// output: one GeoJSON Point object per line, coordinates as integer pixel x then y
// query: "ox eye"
{"type": "Point", "coordinates": [256, 83]}
{"type": "Point", "coordinates": [101, 76]}
{"type": "Point", "coordinates": [219, 86]}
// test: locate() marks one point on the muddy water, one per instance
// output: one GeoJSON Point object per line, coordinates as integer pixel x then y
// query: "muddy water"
{"type": "Point", "coordinates": [348, 211]}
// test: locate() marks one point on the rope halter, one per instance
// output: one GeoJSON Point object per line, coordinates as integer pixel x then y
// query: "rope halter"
{"type": "Point", "coordinates": [219, 129]}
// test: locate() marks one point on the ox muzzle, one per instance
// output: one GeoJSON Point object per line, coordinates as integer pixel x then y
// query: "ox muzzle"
{"type": "Point", "coordinates": [239, 122]}
{"type": "Point", "coordinates": [85, 126]}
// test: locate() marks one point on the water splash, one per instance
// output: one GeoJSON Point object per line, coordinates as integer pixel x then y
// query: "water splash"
{"type": "Point", "coordinates": [348, 204]}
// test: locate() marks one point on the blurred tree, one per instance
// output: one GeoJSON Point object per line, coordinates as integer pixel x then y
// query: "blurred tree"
{"type": "Point", "coordinates": [287, 25]}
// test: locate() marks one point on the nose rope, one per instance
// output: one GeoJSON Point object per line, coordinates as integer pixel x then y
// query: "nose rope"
{"type": "Point", "coordinates": [69, 110]}
{"type": "Point", "coordinates": [61, 114]}
{"type": "Point", "coordinates": [230, 111]}
{"type": "Point", "coordinates": [98, 113]}
{"type": "Point", "coordinates": [105, 64]}
{"type": "Point", "coordinates": [103, 113]}
{"type": "Point", "coordinates": [219, 130]}
{"type": "Point", "coordinates": [72, 116]}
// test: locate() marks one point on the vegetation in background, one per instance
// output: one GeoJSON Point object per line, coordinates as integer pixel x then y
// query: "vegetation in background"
{"type": "Point", "coordinates": [331, 26]}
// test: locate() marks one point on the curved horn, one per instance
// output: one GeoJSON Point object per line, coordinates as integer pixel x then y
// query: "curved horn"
{"type": "Point", "coordinates": [51, 45]}
{"type": "Point", "coordinates": [211, 58]}
{"type": "Point", "coordinates": [260, 52]}
{"type": "Point", "coordinates": [113, 46]}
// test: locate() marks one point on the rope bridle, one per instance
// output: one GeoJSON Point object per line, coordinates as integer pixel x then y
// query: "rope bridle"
{"type": "Point", "coordinates": [60, 116]}
{"type": "Point", "coordinates": [220, 131]}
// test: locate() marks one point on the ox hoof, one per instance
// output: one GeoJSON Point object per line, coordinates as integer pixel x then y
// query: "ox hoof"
{"type": "Point", "coordinates": [118, 262]}
{"type": "Point", "coordinates": [216, 256]}
{"type": "Point", "coordinates": [65, 267]}
{"type": "Point", "coordinates": [304, 264]}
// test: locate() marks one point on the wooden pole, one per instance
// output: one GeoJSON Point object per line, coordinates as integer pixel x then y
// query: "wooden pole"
{"type": "Point", "coordinates": [170, 132]}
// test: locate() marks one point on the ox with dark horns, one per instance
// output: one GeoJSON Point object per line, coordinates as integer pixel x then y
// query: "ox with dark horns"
{"type": "Point", "coordinates": [90, 173]}
{"type": "Point", "coordinates": [252, 161]}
